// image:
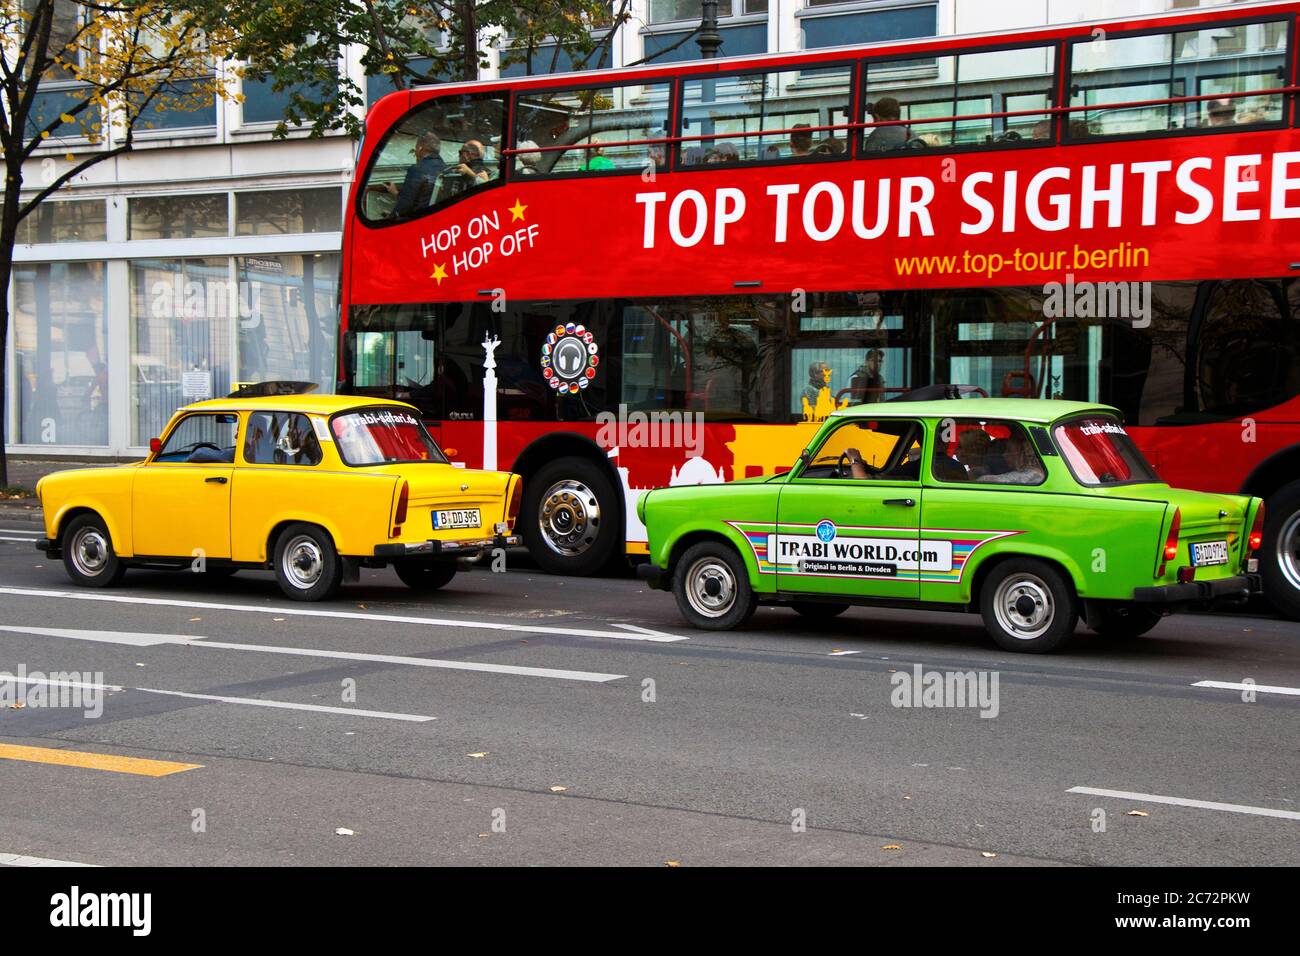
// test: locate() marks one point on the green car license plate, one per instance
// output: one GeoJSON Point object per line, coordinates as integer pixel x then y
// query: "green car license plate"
{"type": "Point", "coordinates": [461, 518]}
{"type": "Point", "coordinates": [1209, 552]}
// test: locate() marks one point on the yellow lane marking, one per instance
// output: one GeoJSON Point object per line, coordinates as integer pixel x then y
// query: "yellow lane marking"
{"type": "Point", "coordinates": [75, 758]}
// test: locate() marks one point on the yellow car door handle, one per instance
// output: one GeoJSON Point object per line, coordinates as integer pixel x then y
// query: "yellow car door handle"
{"type": "Point", "coordinates": [216, 480]}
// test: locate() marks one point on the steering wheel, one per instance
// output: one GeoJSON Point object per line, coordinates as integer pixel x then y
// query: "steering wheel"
{"type": "Point", "coordinates": [843, 468]}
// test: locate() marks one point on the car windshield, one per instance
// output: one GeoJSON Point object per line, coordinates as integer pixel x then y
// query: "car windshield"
{"type": "Point", "coordinates": [1100, 452]}
{"type": "Point", "coordinates": [377, 436]}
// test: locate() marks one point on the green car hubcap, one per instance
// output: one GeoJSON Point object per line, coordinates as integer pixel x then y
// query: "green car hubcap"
{"type": "Point", "coordinates": [1023, 605]}
{"type": "Point", "coordinates": [710, 587]}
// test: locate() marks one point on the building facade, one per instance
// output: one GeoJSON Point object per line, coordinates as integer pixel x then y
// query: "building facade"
{"type": "Point", "coordinates": [209, 254]}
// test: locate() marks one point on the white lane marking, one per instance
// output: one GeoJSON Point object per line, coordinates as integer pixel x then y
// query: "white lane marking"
{"type": "Point", "coordinates": [8, 678]}
{"type": "Point", "coordinates": [112, 637]}
{"type": "Point", "coordinates": [23, 540]}
{"type": "Point", "coordinates": [1261, 688]}
{"type": "Point", "coordinates": [286, 705]}
{"type": "Point", "coordinates": [104, 637]}
{"type": "Point", "coordinates": [345, 615]}
{"type": "Point", "coordinates": [650, 635]}
{"type": "Point", "coordinates": [842, 653]}
{"type": "Point", "coordinates": [1184, 802]}
{"type": "Point", "coordinates": [39, 532]}
{"type": "Point", "coordinates": [15, 859]}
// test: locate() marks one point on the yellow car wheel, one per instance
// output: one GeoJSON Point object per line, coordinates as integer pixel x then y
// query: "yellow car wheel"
{"type": "Point", "coordinates": [307, 567]}
{"type": "Point", "coordinates": [425, 575]}
{"type": "Point", "coordinates": [88, 553]}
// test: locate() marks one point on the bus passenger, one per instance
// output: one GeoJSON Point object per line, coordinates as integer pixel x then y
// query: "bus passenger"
{"type": "Point", "coordinates": [800, 140]}
{"type": "Point", "coordinates": [472, 169]}
{"type": "Point", "coordinates": [830, 146]}
{"type": "Point", "coordinates": [417, 188]}
{"type": "Point", "coordinates": [1222, 112]}
{"type": "Point", "coordinates": [724, 152]}
{"type": "Point", "coordinates": [885, 138]}
{"type": "Point", "coordinates": [868, 382]}
{"type": "Point", "coordinates": [596, 158]}
{"type": "Point", "coordinates": [529, 156]}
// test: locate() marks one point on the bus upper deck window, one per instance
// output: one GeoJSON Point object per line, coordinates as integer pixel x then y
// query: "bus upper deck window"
{"type": "Point", "coordinates": [941, 102]}
{"type": "Point", "coordinates": [1111, 73]}
{"type": "Point", "coordinates": [591, 130]}
{"type": "Point", "coordinates": [443, 149]}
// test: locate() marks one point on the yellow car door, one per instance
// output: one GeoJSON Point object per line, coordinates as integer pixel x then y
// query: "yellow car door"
{"type": "Point", "coordinates": [181, 497]}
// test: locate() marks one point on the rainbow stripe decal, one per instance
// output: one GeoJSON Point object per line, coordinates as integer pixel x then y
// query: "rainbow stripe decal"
{"type": "Point", "coordinates": [825, 550]}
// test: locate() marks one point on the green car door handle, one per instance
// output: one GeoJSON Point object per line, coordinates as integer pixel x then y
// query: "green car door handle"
{"type": "Point", "coordinates": [905, 502]}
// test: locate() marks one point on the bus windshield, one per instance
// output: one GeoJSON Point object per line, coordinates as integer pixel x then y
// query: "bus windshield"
{"type": "Point", "coordinates": [383, 437]}
{"type": "Point", "coordinates": [1100, 452]}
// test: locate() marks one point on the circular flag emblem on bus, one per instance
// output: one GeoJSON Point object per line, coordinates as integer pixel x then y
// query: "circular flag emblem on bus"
{"type": "Point", "coordinates": [569, 358]}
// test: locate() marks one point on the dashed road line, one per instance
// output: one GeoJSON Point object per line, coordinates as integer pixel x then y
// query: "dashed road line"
{"type": "Point", "coordinates": [639, 634]}
{"type": "Point", "coordinates": [287, 705]}
{"type": "Point", "coordinates": [1258, 688]}
{"type": "Point", "coordinates": [117, 637]}
{"type": "Point", "coordinates": [17, 859]}
{"type": "Point", "coordinates": [1186, 802]}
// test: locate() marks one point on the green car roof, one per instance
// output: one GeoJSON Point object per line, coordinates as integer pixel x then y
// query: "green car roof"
{"type": "Point", "coordinates": [1040, 410]}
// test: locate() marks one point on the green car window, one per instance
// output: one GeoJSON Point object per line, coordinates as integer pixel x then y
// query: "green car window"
{"type": "Point", "coordinates": [986, 452]}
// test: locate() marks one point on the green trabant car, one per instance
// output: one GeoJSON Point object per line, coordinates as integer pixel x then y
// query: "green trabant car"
{"type": "Point", "coordinates": [1034, 513]}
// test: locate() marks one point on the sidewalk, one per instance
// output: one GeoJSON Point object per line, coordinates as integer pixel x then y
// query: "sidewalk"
{"type": "Point", "coordinates": [25, 472]}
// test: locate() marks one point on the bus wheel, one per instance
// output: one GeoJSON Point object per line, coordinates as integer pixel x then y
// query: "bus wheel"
{"type": "Point", "coordinates": [571, 517]}
{"type": "Point", "coordinates": [1280, 554]}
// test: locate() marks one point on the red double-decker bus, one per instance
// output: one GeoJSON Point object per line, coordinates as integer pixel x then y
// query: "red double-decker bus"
{"type": "Point", "coordinates": [620, 280]}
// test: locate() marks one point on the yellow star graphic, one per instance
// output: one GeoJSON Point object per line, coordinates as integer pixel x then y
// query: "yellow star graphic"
{"type": "Point", "coordinates": [439, 273]}
{"type": "Point", "coordinates": [517, 211]}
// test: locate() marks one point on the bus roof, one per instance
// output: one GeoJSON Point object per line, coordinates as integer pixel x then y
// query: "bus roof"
{"type": "Point", "coordinates": [1038, 410]}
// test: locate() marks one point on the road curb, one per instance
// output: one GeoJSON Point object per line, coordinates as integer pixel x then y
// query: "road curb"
{"type": "Point", "coordinates": [21, 512]}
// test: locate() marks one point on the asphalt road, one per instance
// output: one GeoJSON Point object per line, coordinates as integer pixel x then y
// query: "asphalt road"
{"type": "Point", "coordinates": [440, 730]}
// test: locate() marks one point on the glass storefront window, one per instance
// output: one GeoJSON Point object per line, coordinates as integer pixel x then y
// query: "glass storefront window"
{"type": "Point", "coordinates": [60, 337]}
{"type": "Point", "coordinates": [192, 216]}
{"type": "Point", "coordinates": [278, 212]}
{"type": "Point", "coordinates": [287, 318]}
{"type": "Point", "coordinates": [51, 221]}
{"type": "Point", "coordinates": [181, 311]}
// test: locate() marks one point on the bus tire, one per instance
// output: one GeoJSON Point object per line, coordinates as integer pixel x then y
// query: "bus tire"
{"type": "Point", "coordinates": [1279, 555]}
{"type": "Point", "coordinates": [570, 517]}
{"type": "Point", "coordinates": [1028, 606]}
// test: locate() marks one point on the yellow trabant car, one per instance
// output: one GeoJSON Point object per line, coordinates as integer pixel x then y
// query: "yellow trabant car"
{"type": "Point", "coordinates": [312, 486]}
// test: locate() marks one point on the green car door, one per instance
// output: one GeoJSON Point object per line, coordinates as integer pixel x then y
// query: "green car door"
{"type": "Point", "coordinates": [848, 519]}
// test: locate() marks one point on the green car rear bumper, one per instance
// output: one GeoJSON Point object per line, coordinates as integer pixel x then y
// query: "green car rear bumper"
{"type": "Point", "coordinates": [1239, 588]}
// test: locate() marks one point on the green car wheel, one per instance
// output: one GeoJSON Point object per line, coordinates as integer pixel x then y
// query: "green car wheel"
{"type": "Point", "coordinates": [712, 588]}
{"type": "Point", "coordinates": [816, 611]}
{"type": "Point", "coordinates": [1028, 606]}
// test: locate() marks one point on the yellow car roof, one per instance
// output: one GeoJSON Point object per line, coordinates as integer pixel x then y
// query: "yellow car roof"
{"type": "Point", "coordinates": [308, 404]}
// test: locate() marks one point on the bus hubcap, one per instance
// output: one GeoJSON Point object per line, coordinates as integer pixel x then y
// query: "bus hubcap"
{"type": "Point", "coordinates": [90, 552]}
{"type": "Point", "coordinates": [569, 518]}
{"type": "Point", "coordinates": [302, 562]}
{"type": "Point", "coordinates": [1288, 550]}
{"type": "Point", "coordinates": [1023, 605]}
{"type": "Point", "coordinates": [710, 587]}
